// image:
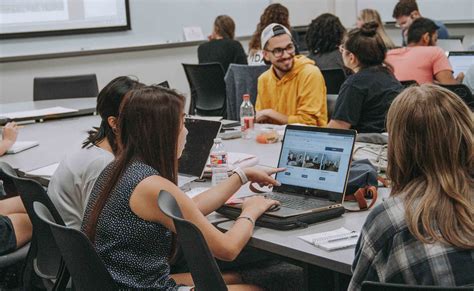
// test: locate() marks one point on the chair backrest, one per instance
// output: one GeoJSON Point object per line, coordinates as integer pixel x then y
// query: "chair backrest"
{"type": "Point", "coordinates": [408, 83]}
{"type": "Point", "coordinates": [331, 104]}
{"type": "Point", "coordinates": [462, 91]}
{"type": "Point", "coordinates": [334, 78]}
{"type": "Point", "coordinates": [43, 257]}
{"type": "Point", "coordinates": [206, 82]}
{"type": "Point", "coordinates": [377, 286]}
{"type": "Point", "coordinates": [7, 186]}
{"type": "Point", "coordinates": [240, 80]}
{"type": "Point", "coordinates": [65, 87]}
{"type": "Point", "coordinates": [87, 270]}
{"type": "Point", "coordinates": [204, 270]}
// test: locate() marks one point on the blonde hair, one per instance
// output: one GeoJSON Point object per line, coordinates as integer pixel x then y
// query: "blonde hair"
{"type": "Point", "coordinates": [431, 164]}
{"type": "Point", "coordinates": [368, 15]}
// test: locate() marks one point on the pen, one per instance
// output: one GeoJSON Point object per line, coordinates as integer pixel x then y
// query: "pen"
{"type": "Point", "coordinates": [352, 235]}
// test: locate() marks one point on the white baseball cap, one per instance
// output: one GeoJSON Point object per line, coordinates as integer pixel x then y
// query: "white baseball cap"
{"type": "Point", "coordinates": [272, 30]}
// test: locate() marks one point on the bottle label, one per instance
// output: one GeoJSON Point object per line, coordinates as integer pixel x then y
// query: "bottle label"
{"type": "Point", "coordinates": [218, 159]}
{"type": "Point", "coordinates": [247, 123]}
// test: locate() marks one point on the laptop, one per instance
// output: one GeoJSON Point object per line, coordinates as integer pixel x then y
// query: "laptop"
{"type": "Point", "coordinates": [461, 61]}
{"type": "Point", "coordinates": [317, 162]}
{"type": "Point", "coordinates": [450, 44]}
{"type": "Point", "coordinates": [199, 142]}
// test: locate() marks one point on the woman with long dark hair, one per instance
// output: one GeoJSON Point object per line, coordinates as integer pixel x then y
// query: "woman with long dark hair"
{"type": "Point", "coordinates": [365, 96]}
{"type": "Point", "coordinates": [424, 233]}
{"type": "Point", "coordinates": [130, 233]}
{"type": "Point", "coordinates": [72, 182]}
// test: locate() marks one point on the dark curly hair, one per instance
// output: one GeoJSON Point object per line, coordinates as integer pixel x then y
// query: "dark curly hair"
{"type": "Point", "coordinates": [274, 13]}
{"type": "Point", "coordinates": [325, 34]}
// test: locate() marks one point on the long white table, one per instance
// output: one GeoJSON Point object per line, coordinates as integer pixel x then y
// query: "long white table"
{"type": "Point", "coordinates": [58, 137]}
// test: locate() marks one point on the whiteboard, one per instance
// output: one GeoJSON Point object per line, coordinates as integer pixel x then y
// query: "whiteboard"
{"type": "Point", "coordinates": [152, 21]}
{"type": "Point", "coordinates": [461, 11]}
{"type": "Point", "coordinates": [303, 11]}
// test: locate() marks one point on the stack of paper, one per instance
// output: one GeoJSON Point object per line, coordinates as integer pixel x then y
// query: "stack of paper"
{"type": "Point", "coordinates": [340, 238]}
{"type": "Point", "coordinates": [45, 172]}
{"type": "Point", "coordinates": [39, 112]}
{"type": "Point", "coordinates": [20, 146]}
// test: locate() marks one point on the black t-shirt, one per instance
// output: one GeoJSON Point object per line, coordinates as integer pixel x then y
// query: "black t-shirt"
{"type": "Point", "coordinates": [224, 51]}
{"type": "Point", "coordinates": [364, 99]}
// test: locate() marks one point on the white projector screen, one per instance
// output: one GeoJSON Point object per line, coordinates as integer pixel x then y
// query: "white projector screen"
{"type": "Point", "coordinates": [29, 18]}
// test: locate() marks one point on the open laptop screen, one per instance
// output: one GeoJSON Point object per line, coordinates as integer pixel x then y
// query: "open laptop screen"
{"type": "Point", "coordinates": [461, 61]}
{"type": "Point", "coordinates": [201, 134]}
{"type": "Point", "coordinates": [316, 158]}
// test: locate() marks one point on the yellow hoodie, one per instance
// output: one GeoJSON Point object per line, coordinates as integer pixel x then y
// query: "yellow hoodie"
{"type": "Point", "coordinates": [300, 94]}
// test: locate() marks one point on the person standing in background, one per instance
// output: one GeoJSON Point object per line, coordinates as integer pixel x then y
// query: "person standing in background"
{"type": "Point", "coordinates": [274, 13]}
{"type": "Point", "coordinates": [368, 15]}
{"type": "Point", "coordinates": [324, 36]}
{"type": "Point", "coordinates": [221, 47]}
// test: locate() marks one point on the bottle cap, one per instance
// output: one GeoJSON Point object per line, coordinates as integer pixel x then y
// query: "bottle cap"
{"type": "Point", "coordinates": [217, 139]}
{"type": "Point", "coordinates": [246, 97]}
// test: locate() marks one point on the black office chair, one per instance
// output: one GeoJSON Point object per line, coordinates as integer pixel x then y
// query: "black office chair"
{"type": "Point", "coordinates": [65, 87]}
{"type": "Point", "coordinates": [377, 286]}
{"type": "Point", "coordinates": [331, 104]}
{"type": "Point", "coordinates": [462, 91]}
{"type": "Point", "coordinates": [202, 264]}
{"type": "Point", "coordinates": [208, 92]}
{"type": "Point", "coordinates": [334, 78]}
{"type": "Point", "coordinates": [87, 270]}
{"type": "Point", "coordinates": [408, 83]}
{"type": "Point", "coordinates": [43, 263]}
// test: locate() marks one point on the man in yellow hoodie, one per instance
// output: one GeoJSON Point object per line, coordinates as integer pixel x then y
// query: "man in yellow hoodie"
{"type": "Point", "coordinates": [293, 89]}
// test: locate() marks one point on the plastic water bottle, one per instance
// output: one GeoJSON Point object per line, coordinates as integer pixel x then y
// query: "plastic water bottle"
{"type": "Point", "coordinates": [247, 117]}
{"type": "Point", "coordinates": [218, 159]}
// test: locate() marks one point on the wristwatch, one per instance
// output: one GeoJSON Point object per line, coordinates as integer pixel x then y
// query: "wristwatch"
{"type": "Point", "coordinates": [241, 173]}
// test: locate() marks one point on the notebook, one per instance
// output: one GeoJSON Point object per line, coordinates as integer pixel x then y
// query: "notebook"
{"type": "Point", "coordinates": [317, 162]}
{"type": "Point", "coordinates": [45, 172]}
{"type": "Point", "coordinates": [461, 61]}
{"type": "Point", "coordinates": [20, 146]}
{"type": "Point", "coordinates": [201, 134]}
{"type": "Point", "coordinates": [337, 239]}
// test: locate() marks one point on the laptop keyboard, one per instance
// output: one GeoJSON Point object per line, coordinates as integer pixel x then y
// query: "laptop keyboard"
{"type": "Point", "coordinates": [298, 203]}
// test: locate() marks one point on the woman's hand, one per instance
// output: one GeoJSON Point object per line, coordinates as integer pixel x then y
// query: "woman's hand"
{"type": "Point", "coordinates": [262, 177]}
{"type": "Point", "coordinates": [10, 133]}
{"type": "Point", "coordinates": [255, 206]}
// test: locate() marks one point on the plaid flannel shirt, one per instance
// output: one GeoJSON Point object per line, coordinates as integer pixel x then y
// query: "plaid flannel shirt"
{"type": "Point", "coordinates": [388, 252]}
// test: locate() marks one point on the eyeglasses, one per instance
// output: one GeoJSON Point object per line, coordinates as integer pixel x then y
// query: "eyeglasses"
{"type": "Point", "coordinates": [342, 49]}
{"type": "Point", "coordinates": [278, 52]}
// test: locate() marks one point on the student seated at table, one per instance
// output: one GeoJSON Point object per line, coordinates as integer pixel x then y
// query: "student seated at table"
{"type": "Point", "coordinates": [293, 89]}
{"type": "Point", "coordinates": [15, 225]}
{"type": "Point", "coordinates": [424, 233]}
{"type": "Point", "coordinates": [406, 11]}
{"type": "Point", "coordinates": [365, 96]}
{"type": "Point", "coordinates": [324, 36]}
{"type": "Point", "coordinates": [131, 234]}
{"type": "Point", "coordinates": [422, 60]}
{"type": "Point", "coordinates": [369, 15]}
{"type": "Point", "coordinates": [72, 182]}
{"type": "Point", "coordinates": [222, 48]}
{"type": "Point", "coordinates": [9, 135]}
{"type": "Point", "coordinates": [274, 13]}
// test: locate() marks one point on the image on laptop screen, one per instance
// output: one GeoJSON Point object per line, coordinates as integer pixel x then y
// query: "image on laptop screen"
{"type": "Point", "coordinates": [461, 61]}
{"type": "Point", "coordinates": [316, 160]}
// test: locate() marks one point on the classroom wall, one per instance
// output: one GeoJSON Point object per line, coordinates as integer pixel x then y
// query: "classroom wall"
{"type": "Point", "coordinates": [152, 66]}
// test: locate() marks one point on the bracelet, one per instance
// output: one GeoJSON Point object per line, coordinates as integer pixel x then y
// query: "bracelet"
{"type": "Point", "coordinates": [241, 173]}
{"type": "Point", "coordinates": [247, 218]}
